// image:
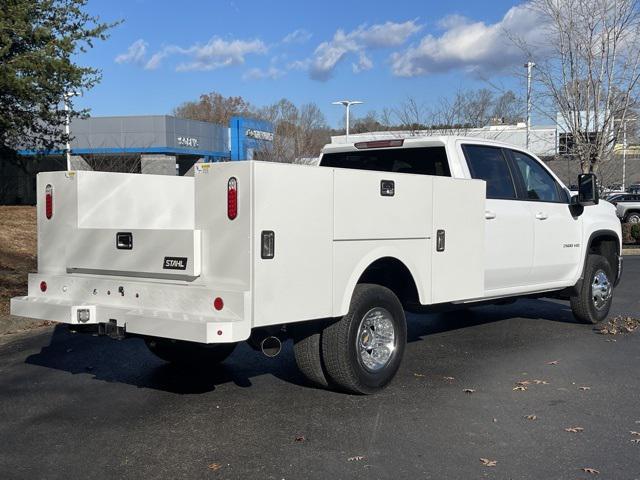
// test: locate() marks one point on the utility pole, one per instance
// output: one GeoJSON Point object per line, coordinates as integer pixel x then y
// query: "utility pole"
{"type": "Point", "coordinates": [624, 151]}
{"type": "Point", "coordinates": [529, 66]}
{"type": "Point", "coordinates": [67, 125]}
{"type": "Point", "coordinates": [347, 104]}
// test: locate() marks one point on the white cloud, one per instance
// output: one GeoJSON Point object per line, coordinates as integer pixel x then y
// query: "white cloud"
{"type": "Point", "coordinates": [216, 53]}
{"type": "Point", "coordinates": [155, 60]}
{"type": "Point", "coordinates": [472, 46]}
{"type": "Point", "coordinates": [364, 63]}
{"type": "Point", "coordinates": [328, 54]}
{"type": "Point", "coordinates": [297, 36]}
{"type": "Point", "coordinates": [134, 54]}
{"type": "Point", "coordinates": [271, 73]}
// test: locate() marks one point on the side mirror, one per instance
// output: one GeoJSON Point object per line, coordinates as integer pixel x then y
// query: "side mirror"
{"type": "Point", "coordinates": [587, 189]}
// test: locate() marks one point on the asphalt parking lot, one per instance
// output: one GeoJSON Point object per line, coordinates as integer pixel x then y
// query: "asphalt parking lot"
{"type": "Point", "coordinates": [76, 406]}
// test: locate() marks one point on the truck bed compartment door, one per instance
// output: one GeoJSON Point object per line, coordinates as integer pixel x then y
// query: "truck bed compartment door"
{"type": "Point", "coordinates": [458, 248]}
{"type": "Point", "coordinates": [135, 252]}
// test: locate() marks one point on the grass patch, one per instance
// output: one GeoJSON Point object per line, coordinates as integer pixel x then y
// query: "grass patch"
{"type": "Point", "coordinates": [18, 251]}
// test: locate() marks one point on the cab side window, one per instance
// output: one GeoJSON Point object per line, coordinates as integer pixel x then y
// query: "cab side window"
{"type": "Point", "coordinates": [490, 164]}
{"type": "Point", "coordinates": [537, 182]}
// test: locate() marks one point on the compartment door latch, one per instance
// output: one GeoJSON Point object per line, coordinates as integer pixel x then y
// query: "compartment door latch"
{"type": "Point", "coordinates": [440, 241]}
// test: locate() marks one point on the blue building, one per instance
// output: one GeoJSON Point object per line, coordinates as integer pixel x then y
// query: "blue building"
{"type": "Point", "coordinates": [156, 144]}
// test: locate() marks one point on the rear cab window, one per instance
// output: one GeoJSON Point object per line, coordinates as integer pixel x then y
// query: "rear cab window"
{"type": "Point", "coordinates": [418, 160]}
{"type": "Point", "coordinates": [491, 165]}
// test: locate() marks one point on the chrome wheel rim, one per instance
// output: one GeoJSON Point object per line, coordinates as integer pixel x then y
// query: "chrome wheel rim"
{"type": "Point", "coordinates": [376, 339]}
{"type": "Point", "coordinates": [600, 289]}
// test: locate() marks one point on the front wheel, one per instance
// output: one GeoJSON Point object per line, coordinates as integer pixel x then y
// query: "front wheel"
{"type": "Point", "coordinates": [633, 217]}
{"type": "Point", "coordinates": [592, 303]}
{"type": "Point", "coordinates": [363, 350]}
{"type": "Point", "coordinates": [189, 354]}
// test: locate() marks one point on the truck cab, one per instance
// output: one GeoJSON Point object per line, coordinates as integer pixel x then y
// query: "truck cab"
{"type": "Point", "coordinates": [536, 236]}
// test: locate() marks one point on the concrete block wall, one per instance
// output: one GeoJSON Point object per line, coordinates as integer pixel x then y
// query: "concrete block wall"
{"type": "Point", "coordinates": [158, 164]}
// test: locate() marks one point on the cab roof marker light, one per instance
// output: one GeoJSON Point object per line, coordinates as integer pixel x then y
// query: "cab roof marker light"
{"type": "Point", "coordinates": [379, 144]}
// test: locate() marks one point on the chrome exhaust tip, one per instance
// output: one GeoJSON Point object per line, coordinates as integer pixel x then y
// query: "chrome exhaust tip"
{"type": "Point", "coordinates": [271, 346]}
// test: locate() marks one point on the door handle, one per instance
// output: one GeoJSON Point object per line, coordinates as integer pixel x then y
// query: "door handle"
{"type": "Point", "coordinates": [489, 215]}
{"type": "Point", "coordinates": [541, 216]}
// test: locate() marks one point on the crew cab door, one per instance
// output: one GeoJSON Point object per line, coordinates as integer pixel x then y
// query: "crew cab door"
{"type": "Point", "coordinates": [557, 233]}
{"type": "Point", "coordinates": [509, 238]}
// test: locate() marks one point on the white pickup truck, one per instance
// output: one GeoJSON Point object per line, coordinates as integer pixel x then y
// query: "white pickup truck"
{"type": "Point", "coordinates": [330, 255]}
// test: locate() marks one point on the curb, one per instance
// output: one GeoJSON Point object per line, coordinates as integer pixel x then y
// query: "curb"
{"type": "Point", "coordinates": [630, 251]}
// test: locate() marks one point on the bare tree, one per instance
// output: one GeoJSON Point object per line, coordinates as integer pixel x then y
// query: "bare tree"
{"type": "Point", "coordinates": [216, 108]}
{"type": "Point", "coordinates": [300, 133]}
{"type": "Point", "coordinates": [588, 68]}
{"type": "Point", "coordinates": [368, 123]}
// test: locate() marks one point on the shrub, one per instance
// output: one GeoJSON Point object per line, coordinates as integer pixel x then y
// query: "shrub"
{"type": "Point", "coordinates": [627, 236]}
{"type": "Point", "coordinates": [635, 232]}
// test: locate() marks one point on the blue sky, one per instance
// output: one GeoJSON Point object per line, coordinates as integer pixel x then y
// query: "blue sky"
{"type": "Point", "coordinates": [167, 52]}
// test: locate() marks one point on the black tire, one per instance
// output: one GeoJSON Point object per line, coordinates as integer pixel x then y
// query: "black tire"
{"type": "Point", "coordinates": [189, 354]}
{"type": "Point", "coordinates": [340, 344]}
{"type": "Point", "coordinates": [633, 217]}
{"type": "Point", "coordinates": [584, 303]}
{"type": "Point", "coordinates": [307, 351]}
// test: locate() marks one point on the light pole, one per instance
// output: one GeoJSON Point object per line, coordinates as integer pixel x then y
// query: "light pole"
{"type": "Point", "coordinates": [67, 128]}
{"type": "Point", "coordinates": [529, 66]}
{"type": "Point", "coordinates": [347, 104]}
{"type": "Point", "coordinates": [624, 151]}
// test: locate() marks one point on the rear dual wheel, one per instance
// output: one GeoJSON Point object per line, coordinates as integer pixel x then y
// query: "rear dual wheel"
{"type": "Point", "coordinates": [361, 352]}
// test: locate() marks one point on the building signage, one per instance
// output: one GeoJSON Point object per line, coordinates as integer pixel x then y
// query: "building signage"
{"type": "Point", "coordinates": [188, 142]}
{"type": "Point", "coordinates": [259, 134]}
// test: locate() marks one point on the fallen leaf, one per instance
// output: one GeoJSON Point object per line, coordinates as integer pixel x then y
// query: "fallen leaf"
{"type": "Point", "coordinates": [357, 458]}
{"type": "Point", "coordinates": [299, 438]}
{"type": "Point", "coordinates": [215, 466]}
{"type": "Point", "coordinates": [531, 417]}
{"type": "Point", "coordinates": [574, 429]}
{"type": "Point", "coordinates": [635, 440]}
{"type": "Point", "coordinates": [449, 378]}
{"type": "Point", "coordinates": [519, 388]}
{"type": "Point", "coordinates": [418, 375]}
{"type": "Point", "coordinates": [523, 383]}
{"type": "Point", "coordinates": [488, 463]}
{"type": "Point", "coordinates": [635, 434]}
{"type": "Point", "coordinates": [540, 382]}
{"type": "Point", "coordinates": [584, 388]}
{"type": "Point", "coordinates": [469, 390]}
{"type": "Point", "coordinates": [592, 471]}
{"type": "Point", "coordinates": [554, 362]}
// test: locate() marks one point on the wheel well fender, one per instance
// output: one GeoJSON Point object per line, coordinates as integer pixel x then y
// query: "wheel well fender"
{"type": "Point", "coordinates": [605, 243]}
{"type": "Point", "coordinates": [390, 271]}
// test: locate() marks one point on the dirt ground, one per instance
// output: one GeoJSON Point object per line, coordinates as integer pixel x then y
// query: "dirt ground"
{"type": "Point", "coordinates": [18, 250]}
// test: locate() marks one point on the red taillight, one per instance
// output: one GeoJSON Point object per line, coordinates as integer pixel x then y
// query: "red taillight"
{"type": "Point", "coordinates": [48, 201]}
{"type": "Point", "coordinates": [43, 286]}
{"type": "Point", "coordinates": [218, 304]}
{"type": "Point", "coordinates": [232, 198]}
{"type": "Point", "coordinates": [379, 144]}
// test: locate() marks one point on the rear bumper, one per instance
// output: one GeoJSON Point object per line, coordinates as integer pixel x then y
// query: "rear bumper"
{"type": "Point", "coordinates": [179, 312]}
